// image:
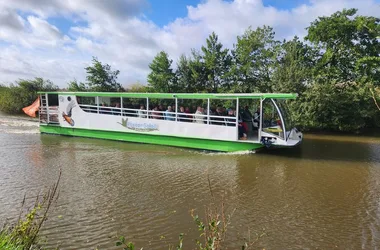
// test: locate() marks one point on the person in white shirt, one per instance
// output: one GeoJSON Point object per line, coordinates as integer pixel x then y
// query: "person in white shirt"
{"type": "Point", "coordinates": [198, 117]}
{"type": "Point", "coordinates": [142, 112]}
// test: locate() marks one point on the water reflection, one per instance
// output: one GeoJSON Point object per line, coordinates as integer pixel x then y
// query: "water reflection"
{"type": "Point", "coordinates": [326, 148]}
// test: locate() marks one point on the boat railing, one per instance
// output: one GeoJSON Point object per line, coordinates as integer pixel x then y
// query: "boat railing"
{"type": "Point", "coordinates": [49, 114]}
{"type": "Point", "coordinates": [162, 115]}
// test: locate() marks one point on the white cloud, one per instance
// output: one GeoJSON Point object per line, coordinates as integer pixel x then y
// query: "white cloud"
{"type": "Point", "coordinates": [118, 34]}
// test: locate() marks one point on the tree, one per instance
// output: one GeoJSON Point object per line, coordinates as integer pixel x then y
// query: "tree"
{"type": "Point", "coordinates": [161, 78]}
{"type": "Point", "coordinates": [293, 68]}
{"type": "Point", "coordinates": [217, 62]}
{"type": "Point", "coordinates": [191, 74]}
{"type": "Point", "coordinates": [254, 60]}
{"type": "Point", "coordinates": [347, 45]}
{"type": "Point", "coordinates": [77, 87]}
{"type": "Point", "coordinates": [184, 75]}
{"type": "Point", "coordinates": [346, 68]}
{"type": "Point", "coordinates": [101, 78]}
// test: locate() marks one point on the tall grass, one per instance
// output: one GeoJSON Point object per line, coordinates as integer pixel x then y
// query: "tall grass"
{"type": "Point", "coordinates": [24, 233]}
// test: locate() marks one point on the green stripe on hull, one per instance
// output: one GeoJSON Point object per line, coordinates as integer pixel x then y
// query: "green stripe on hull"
{"type": "Point", "coordinates": [226, 146]}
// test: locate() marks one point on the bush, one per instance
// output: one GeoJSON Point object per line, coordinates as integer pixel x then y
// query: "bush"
{"type": "Point", "coordinates": [22, 94]}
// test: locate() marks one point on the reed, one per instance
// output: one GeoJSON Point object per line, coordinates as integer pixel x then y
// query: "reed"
{"type": "Point", "coordinates": [24, 233]}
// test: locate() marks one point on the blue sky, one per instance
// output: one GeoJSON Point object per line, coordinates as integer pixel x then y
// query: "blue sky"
{"type": "Point", "coordinates": [163, 12]}
{"type": "Point", "coordinates": [56, 40]}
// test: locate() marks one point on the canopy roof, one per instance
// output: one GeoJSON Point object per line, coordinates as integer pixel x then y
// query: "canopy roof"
{"type": "Point", "coordinates": [181, 95]}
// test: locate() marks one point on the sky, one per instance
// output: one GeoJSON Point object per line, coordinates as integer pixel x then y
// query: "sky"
{"type": "Point", "coordinates": [56, 39]}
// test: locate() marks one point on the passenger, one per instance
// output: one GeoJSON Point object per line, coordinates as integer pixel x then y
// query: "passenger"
{"type": "Point", "coordinates": [142, 112]}
{"type": "Point", "coordinates": [101, 108]}
{"type": "Point", "coordinates": [116, 110]}
{"type": "Point", "coordinates": [218, 120]}
{"type": "Point", "coordinates": [188, 116]}
{"type": "Point", "coordinates": [247, 118]}
{"type": "Point", "coordinates": [155, 113]}
{"type": "Point", "coordinates": [224, 111]}
{"type": "Point", "coordinates": [256, 118]}
{"type": "Point", "coordinates": [231, 121]}
{"type": "Point", "coordinates": [169, 114]}
{"type": "Point", "coordinates": [181, 114]}
{"type": "Point", "coordinates": [199, 117]}
{"type": "Point", "coordinates": [242, 131]}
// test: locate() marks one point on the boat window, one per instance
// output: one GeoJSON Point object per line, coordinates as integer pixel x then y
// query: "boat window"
{"type": "Point", "coordinates": [282, 105]}
{"type": "Point", "coordinates": [223, 112]}
{"type": "Point", "coordinates": [249, 111]}
{"type": "Point", "coordinates": [53, 99]}
{"type": "Point", "coordinates": [162, 109]}
{"type": "Point", "coordinates": [87, 104]}
{"type": "Point", "coordinates": [192, 110]}
{"type": "Point", "coordinates": [134, 107]}
{"type": "Point", "coordinates": [271, 119]}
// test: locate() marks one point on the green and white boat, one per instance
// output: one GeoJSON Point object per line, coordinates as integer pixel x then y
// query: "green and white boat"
{"type": "Point", "coordinates": [129, 117]}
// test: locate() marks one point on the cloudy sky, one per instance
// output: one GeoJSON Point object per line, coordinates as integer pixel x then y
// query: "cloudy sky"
{"type": "Point", "coordinates": [56, 39]}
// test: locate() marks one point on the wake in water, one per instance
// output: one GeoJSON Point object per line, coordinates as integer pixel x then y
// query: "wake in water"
{"type": "Point", "coordinates": [18, 125]}
{"type": "Point", "coordinates": [206, 152]}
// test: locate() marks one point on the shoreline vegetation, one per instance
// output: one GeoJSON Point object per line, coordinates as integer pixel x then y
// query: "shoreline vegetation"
{"type": "Point", "coordinates": [24, 232]}
{"type": "Point", "coordinates": [335, 70]}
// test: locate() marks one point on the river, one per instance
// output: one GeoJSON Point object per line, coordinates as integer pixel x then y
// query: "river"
{"type": "Point", "coordinates": [323, 195]}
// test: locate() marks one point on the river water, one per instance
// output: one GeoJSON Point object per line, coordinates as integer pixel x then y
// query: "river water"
{"type": "Point", "coordinates": [323, 195]}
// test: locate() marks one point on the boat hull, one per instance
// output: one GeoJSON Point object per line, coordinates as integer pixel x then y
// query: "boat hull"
{"type": "Point", "coordinates": [176, 141]}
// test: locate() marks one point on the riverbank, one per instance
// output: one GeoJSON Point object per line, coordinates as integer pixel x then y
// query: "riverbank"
{"type": "Point", "coordinates": [24, 233]}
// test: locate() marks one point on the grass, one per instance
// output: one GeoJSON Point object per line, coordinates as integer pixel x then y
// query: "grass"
{"type": "Point", "coordinates": [24, 233]}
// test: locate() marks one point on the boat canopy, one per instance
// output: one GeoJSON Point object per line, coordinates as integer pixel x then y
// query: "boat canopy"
{"type": "Point", "coordinates": [182, 95]}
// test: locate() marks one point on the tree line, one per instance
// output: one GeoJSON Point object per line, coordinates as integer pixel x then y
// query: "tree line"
{"type": "Point", "coordinates": [335, 70]}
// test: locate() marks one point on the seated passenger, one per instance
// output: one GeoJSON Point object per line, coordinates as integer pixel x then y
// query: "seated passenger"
{"type": "Point", "coordinates": [231, 121]}
{"type": "Point", "coordinates": [218, 120]}
{"type": "Point", "coordinates": [181, 115]}
{"type": "Point", "coordinates": [169, 114]}
{"type": "Point", "coordinates": [156, 114]}
{"type": "Point", "coordinates": [198, 117]}
{"type": "Point", "coordinates": [189, 117]}
{"type": "Point", "coordinates": [103, 109]}
{"type": "Point", "coordinates": [116, 110]}
{"type": "Point", "coordinates": [161, 108]}
{"type": "Point", "coordinates": [142, 112]}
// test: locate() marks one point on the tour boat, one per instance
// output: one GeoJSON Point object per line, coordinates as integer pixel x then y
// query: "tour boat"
{"type": "Point", "coordinates": [216, 122]}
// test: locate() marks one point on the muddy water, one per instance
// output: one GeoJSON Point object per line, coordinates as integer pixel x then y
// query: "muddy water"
{"type": "Point", "coordinates": [322, 195]}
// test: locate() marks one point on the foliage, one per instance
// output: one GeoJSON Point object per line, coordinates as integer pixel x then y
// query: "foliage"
{"type": "Point", "coordinates": [24, 234]}
{"type": "Point", "coordinates": [137, 88]}
{"type": "Point", "coordinates": [336, 72]}
{"type": "Point", "coordinates": [22, 94]}
{"type": "Point", "coordinates": [346, 68]}
{"type": "Point", "coordinates": [292, 71]}
{"type": "Point", "coordinates": [254, 60]}
{"type": "Point", "coordinates": [77, 86]}
{"type": "Point", "coordinates": [162, 77]}
{"type": "Point", "coordinates": [101, 78]}
{"type": "Point", "coordinates": [217, 63]}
